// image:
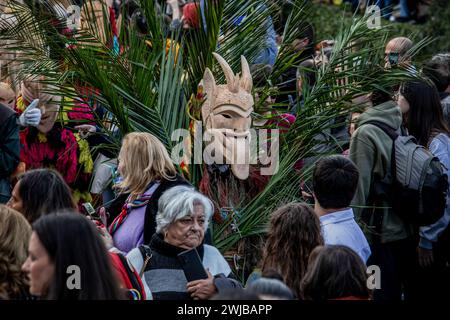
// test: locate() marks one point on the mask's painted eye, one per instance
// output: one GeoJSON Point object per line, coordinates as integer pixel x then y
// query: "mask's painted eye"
{"type": "Point", "coordinates": [226, 116]}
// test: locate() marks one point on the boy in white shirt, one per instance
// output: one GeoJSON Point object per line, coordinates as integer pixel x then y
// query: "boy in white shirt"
{"type": "Point", "coordinates": [335, 179]}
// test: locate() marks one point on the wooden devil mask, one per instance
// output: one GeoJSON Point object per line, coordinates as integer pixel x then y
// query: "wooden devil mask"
{"type": "Point", "coordinates": [226, 114]}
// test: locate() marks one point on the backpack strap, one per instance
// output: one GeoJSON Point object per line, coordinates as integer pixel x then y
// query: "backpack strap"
{"type": "Point", "coordinates": [134, 278]}
{"type": "Point", "coordinates": [392, 133]}
{"type": "Point", "coordinates": [147, 254]}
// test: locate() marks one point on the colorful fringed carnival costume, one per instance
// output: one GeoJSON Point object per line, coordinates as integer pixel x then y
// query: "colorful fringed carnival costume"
{"type": "Point", "coordinates": [53, 145]}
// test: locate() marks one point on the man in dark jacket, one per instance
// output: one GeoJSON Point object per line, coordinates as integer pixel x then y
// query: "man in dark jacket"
{"type": "Point", "coordinates": [9, 150]}
{"type": "Point", "coordinates": [10, 143]}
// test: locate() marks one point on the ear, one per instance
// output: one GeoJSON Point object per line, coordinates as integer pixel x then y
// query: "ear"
{"type": "Point", "coordinates": [246, 79]}
{"type": "Point", "coordinates": [209, 87]}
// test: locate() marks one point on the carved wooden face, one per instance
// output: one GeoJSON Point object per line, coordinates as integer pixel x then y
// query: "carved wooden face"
{"type": "Point", "coordinates": [226, 114]}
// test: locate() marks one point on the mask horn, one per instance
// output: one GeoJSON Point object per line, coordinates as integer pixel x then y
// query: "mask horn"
{"type": "Point", "coordinates": [246, 78]}
{"type": "Point", "coordinates": [209, 87]}
{"type": "Point", "coordinates": [232, 80]}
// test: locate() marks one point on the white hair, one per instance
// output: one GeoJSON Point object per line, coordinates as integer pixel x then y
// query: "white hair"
{"type": "Point", "coordinates": [177, 203]}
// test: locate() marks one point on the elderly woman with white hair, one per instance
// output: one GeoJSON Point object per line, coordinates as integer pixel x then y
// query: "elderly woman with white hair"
{"type": "Point", "coordinates": [182, 220]}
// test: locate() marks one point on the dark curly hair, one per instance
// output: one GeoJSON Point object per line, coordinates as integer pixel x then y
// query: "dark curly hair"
{"type": "Point", "coordinates": [294, 232]}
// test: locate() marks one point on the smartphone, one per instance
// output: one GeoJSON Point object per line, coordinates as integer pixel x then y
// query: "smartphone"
{"type": "Point", "coordinates": [192, 265]}
{"type": "Point", "coordinates": [89, 210]}
{"type": "Point", "coordinates": [393, 58]}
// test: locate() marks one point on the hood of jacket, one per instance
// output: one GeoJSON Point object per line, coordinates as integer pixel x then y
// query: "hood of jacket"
{"type": "Point", "coordinates": [387, 112]}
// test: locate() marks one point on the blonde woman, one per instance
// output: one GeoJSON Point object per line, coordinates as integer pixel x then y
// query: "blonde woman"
{"type": "Point", "coordinates": [15, 232]}
{"type": "Point", "coordinates": [147, 171]}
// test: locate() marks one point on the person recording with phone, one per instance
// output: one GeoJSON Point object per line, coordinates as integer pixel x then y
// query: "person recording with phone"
{"type": "Point", "coordinates": [147, 172]}
{"type": "Point", "coordinates": [168, 265]}
{"type": "Point", "coordinates": [397, 52]}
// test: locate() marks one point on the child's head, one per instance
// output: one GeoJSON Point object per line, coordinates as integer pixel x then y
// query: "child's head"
{"type": "Point", "coordinates": [335, 272]}
{"type": "Point", "coordinates": [335, 179]}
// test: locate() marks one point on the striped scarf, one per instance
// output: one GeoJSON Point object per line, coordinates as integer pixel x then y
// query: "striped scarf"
{"type": "Point", "coordinates": [141, 201]}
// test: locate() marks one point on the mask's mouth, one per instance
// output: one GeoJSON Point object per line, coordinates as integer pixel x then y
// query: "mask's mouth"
{"type": "Point", "coordinates": [235, 134]}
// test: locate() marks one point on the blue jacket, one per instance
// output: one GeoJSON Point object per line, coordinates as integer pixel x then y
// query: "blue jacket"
{"type": "Point", "coordinates": [440, 147]}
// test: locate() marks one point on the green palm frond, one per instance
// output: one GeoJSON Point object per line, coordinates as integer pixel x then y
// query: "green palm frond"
{"type": "Point", "coordinates": [356, 67]}
{"type": "Point", "coordinates": [146, 87]}
{"type": "Point", "coordinates": [141, 88]}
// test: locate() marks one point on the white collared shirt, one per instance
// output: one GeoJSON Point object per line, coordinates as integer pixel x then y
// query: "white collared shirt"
{"type": "Point", "coordinates": [340, 228]}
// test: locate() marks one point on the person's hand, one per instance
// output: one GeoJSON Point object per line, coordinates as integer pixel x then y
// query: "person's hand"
{"type": "Point", "coordinates": [202, 289]}
{"type": "Point", "coordinates": [425, 257]}
{"type": "Point", "coordinates": [101, 227]}
{"type": "Point", "coordinates": [85, 130]}
{"type": "Point", "coordinates": [103, 216]}
{"type": "Point", "coordinates": [106, 237]}
{"type": "Point", "coordinates": [31, 116]}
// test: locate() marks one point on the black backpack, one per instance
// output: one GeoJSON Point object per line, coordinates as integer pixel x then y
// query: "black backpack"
{"type": "Point", "coordinates": [417, 185]}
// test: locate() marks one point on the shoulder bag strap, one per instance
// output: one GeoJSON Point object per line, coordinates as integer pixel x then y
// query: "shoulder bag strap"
{"type": "Point", "coordinates": [147, 254]}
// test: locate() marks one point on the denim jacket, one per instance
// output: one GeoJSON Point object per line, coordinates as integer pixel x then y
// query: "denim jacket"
{"type": "Point", "coordinates": [440, 147]}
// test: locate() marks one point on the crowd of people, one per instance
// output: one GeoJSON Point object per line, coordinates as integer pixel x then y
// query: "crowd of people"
{"type": "Point", "coordinates": [149, 215]}
{"type": "Point", "coordinates": [412, 11]}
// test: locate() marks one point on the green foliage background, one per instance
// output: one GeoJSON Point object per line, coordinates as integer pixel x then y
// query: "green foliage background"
{"type": "Point", "coordinates": [329, 19]}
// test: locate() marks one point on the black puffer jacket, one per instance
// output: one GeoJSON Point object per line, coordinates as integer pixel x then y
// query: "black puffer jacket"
{"type": "Point", "coordinates": [9, 150]}
{"type": "Point", "coordinates": [152, 208]}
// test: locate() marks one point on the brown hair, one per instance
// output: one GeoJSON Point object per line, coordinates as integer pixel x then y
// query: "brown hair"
{"type": "Point", "coordinates": [294, 232]}
{"type": "Point", "coordinates": [15, 232]}
{"type": "Point", "coordinates": [335, 272]}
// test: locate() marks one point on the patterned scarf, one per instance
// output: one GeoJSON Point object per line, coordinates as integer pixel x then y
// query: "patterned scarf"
{"type": "Point", "coordinates": [141, 201]}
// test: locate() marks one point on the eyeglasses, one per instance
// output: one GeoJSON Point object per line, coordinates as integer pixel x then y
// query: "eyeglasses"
{"type": "Point", "coordinates": [392, 57]}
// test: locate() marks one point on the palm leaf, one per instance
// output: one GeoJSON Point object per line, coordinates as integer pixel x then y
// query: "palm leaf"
{"type": "Point", "coordinates": [349, 73]}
